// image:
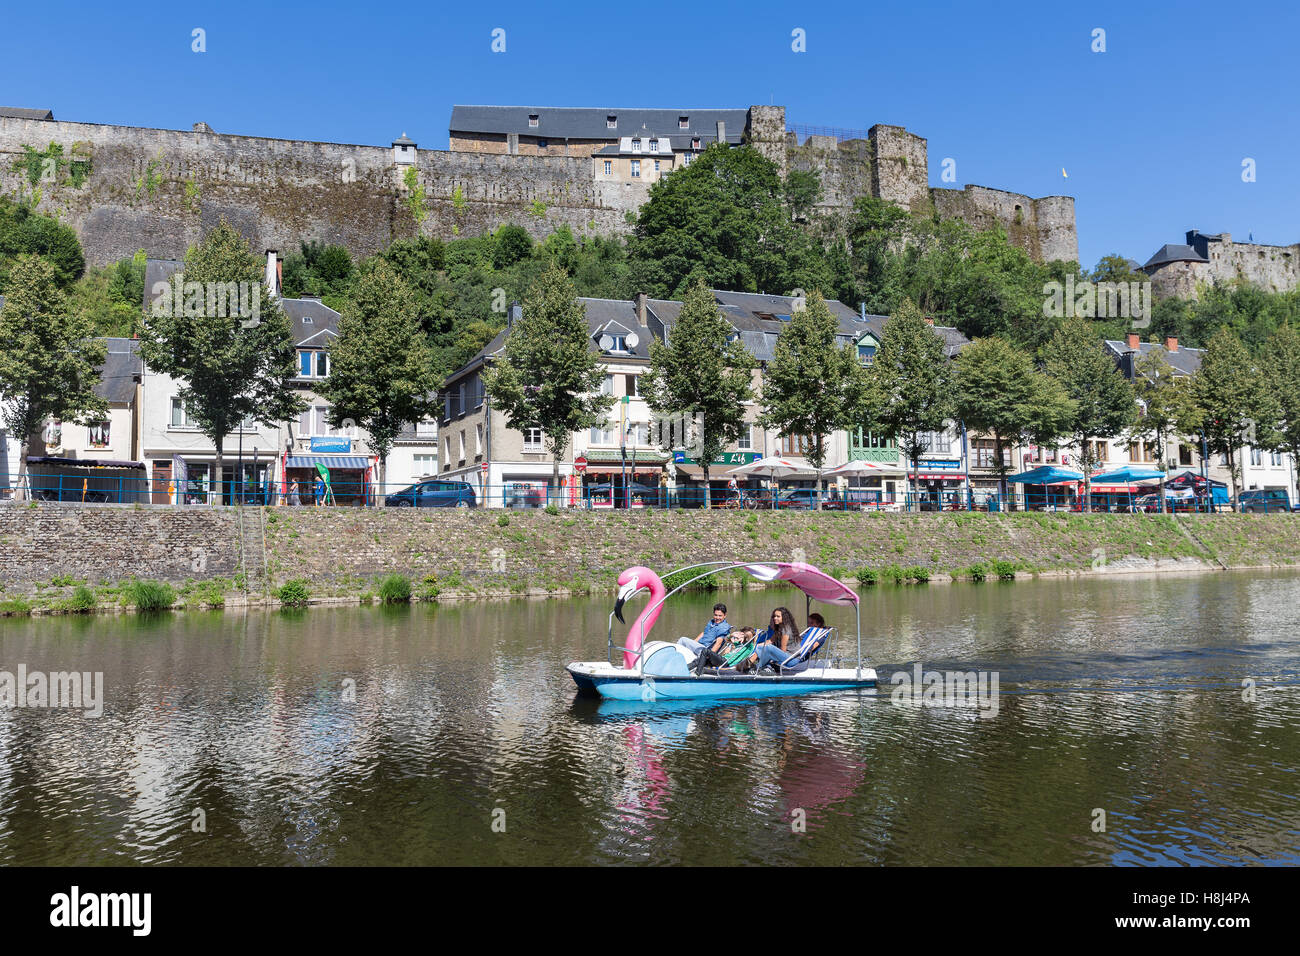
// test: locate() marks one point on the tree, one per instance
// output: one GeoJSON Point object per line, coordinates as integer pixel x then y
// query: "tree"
{"type": "Point", "coordinates": [1104, 403]}
{"type": "Point", "coordinates": [1000, 393]}
{"type": "Point", "coordinates": [912, 384]}
{"type": "Point", "coordinates": [803, 190]}
{"type": "Point", "coordinates": [704, 371]}
{"type": "Point", "coordinates": [24, 232]}
{"type": "Point", "coordinates": [381, 366]}
{"type": "Point", "coordinates": [234, 364]}
{"type": "Point", "coordinates": [722, 220]}
{"type": "Point", "coordinates": [49, 365]}
{"type": "Point", "coordinates": [547, 377]}
{"type": "Point", "coordinates": [814, 386]}
{"type": "Point", "coordinates": [1163, 407]}
{"type": "Point", "coordinates": [1232, 394]}
{"type": "Point", "coordinates": [1282, 369]}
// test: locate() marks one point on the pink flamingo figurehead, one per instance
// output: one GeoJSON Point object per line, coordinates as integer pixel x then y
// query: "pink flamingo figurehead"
{"type": "Point", "coordinates": [631, 581]}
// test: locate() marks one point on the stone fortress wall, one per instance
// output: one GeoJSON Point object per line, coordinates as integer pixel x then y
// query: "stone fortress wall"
{"type": "Point", "coordinates": [1271, 268]}
{"type": "Point", "coordinates": [161, 190]}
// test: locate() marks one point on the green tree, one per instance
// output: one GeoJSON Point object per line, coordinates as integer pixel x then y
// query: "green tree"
{"type": "Point", "coordinates": [25, 232]}
{"type": "Point", "coordinates": [381, 367]}
{"type": "Point", "coordinates": [1232, 394]}
{"type": "Point", "coordinates": [49, 364]}
{"type": "Point", "coordinates": [814, 386]}
{"type": "Point", "coordinates": [1163, 407]}
{"type": "Point", "coordinates": [232, 364]}
{"type": "Point", "coordinates": [1104, 403]}
{"type": "Point", "coordinates": [721, 219]}
{"type": "Point", "coordinates": [1282, 369]}
{"type": "Point", "coordinates": [547, 376]}
{"type": "Point", "coordinates": [911, 392]}
{"type": "Point", "coordinates": [803, 190]}
{"type": "Point", "coordinates": [1000, 393]}
{"type": "Point", "coordinates": [703, 371]}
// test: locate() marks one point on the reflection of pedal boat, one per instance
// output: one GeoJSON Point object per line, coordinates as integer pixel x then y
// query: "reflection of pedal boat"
{"type": "Point", "coordinates": [657, 670]}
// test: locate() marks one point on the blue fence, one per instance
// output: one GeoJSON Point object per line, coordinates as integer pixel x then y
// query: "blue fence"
{"type": "Point", "coordinates": [452, 493]}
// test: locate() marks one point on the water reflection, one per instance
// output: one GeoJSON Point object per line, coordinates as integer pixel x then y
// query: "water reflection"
{"type": "Point", "coordinates": [390, 735]}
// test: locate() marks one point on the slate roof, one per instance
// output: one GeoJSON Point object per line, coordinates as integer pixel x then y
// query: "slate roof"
{"type": "Point", "coordinates": [314, 322]}
{"type": "Point", "coordinates": [1183, 362]}
{"type": "Point", "coordinates": [21, 112]}
{"type": "Point", "coordinates": [1174, 252]}
{"type": "Point", "coordinates": [117, 375]}
{"type": "Point", "coordinates": [564, 122]}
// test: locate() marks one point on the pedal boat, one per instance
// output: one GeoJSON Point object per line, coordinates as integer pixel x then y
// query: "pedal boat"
{"type": "Point", "coordinates": [659, 670]}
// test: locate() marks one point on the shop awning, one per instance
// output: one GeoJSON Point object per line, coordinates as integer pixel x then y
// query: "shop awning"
{"type": "Point", "coordinates": [84, 462]}
{"type": "Point", "coordinates": [353, 462]}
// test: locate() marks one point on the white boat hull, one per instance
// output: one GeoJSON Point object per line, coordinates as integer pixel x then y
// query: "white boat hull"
{"type": "Point", "coordinates": [619, 683]}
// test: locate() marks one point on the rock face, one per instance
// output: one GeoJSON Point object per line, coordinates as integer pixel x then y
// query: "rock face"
{"type": "Point", "coordinates": [127, 188]}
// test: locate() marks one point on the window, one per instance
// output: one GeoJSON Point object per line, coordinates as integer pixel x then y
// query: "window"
{"type": "Point", "coordinates": [541, 144]}
{"type": "Point", "coordinates": [607, 385]}
{"type": "Point", "coordinates": [1140, 451]}
{"type": "Point", "coordinates": [1184, 455]}
{"type": "Point", "coordinates": [180, 415]}
{"type": "Point", "coordinates": [686, 159]}
{"type": "Point", "coordinates": [98, 434]}
{"type": "Point", "coordinates": [795, 444]}
{"type": "Point", "coordinates": [638, 434]}
{"type": "Point", "coordinates": [937, 442]}
{"type": "Point", "coordinates": [304, 363]}
{"type": "Point", "coordinates": [532, 439]}
{"type": "Point", "coordinates": [460, 401]}
{"type": "Point", "coordinates": [746, 441]}
{"type": "Point", "coordinates": [462, 444]}
{"type": "Point", "coordinates": [683, 122]}
{"type": "Point", "coordinates": [425, 464]}
{"type": "Point", "coordinates": [1255, 458]}
{"type": "Point", "coordinates": [426, 428]}
{"type": "Point", "coordinates": [479, 391]}
{"type": "Point", "coordinates": [695, 143]}
{"type": "Point", "coordinates": [1276, 459]}
{"type": "Point", "coordinates": [609, 167]}
{"type": "Point", "coordinates": [986, 453]}
{"type": "Point", "coordinates": [1100, 450]}
{"type": "Point", "coordinates": [315, 422]}
{"type": "Point", "coordinates": [656, 165]}
{"type": "Point", "coordinates": [606, 434]}
{"type": "Point", "coordinates": [636, 169]}
{"type": "Point", "coordinates": [861, 439]}
{"type": "Point", "coordinates": [478, 441]}
{"type": "Point", "coordinates": [611, 122]}
{"type": "Point", "coordinates": [636, 145]}
{"type": "Point", "coordinates": [631, 384]}
{"type": "Point", "coordinates": [532, 120]}
{"type": "Point", "coordinates": [313, 364]}
{"type": "Point", "coordinates": [866, 353]}
{"type": "Point", "coordinates": [654, 145]}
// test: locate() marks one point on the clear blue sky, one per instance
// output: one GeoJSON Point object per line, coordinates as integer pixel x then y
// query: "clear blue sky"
{"type": "Point", "coordinates": [1152, 132]}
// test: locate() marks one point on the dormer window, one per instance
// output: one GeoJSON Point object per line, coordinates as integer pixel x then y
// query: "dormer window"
{"type": "Point", "coordinates": [636, 145]}
{"type": "Point", "coordinates": [695, 143]}
{"type": "Point", "coordinates": [532, 120]}
{"type": "Point", "coordinates": [611, 122]}
{"type": "Point", "coordinates": [683, 122]}
{"type": "Point", "coordinates": [654, 145]}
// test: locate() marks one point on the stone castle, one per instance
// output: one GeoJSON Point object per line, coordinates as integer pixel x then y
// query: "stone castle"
{"type": "Point", "coordinates": [1178, 268]}
{"type": "Point", "coordinates": [127, 188]}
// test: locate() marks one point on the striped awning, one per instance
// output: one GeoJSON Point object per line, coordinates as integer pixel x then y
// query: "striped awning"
{"type": "Point", "coordinates": [353, 462]}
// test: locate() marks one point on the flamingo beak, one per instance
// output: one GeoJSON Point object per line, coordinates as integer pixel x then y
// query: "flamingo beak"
{"type": "Point", "coordinates": [625, 592]}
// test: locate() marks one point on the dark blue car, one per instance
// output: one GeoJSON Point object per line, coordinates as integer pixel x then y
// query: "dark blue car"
{"type": "Point", "coordinates": [434, 494]}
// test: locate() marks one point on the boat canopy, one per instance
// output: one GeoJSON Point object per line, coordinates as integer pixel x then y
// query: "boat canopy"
{"type": "Point", "coordinates": [813, 582]}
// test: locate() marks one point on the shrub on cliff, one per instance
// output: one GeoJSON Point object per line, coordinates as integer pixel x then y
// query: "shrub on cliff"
{"type": "Point", "coordinates": [82, 600]}
{"type": "Point", "coordinates": [294, 593]}
{"type": "Point", "coordinates": [151, 595]}
{"type": "Point", "coordinates": [395, 589]}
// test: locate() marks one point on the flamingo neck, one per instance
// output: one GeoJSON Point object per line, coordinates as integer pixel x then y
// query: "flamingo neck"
{"type": "Point", "coordinates": [642, 626]}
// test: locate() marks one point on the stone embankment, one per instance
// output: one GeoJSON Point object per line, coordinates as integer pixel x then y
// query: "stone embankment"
{"type": "Point", "coordinates": [46, 550]}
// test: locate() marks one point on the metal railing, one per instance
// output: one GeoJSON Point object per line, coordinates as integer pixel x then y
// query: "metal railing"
{"type": "Point", "coordinates": [604, 496]}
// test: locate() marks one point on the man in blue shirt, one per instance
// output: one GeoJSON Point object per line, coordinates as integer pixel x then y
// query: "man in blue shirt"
{"type": "Point", "coordinates": [714, 633]}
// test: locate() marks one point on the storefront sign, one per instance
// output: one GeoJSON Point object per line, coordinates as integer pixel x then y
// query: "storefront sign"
{"type": "Point", "coordinates": [331, 444]}
{"type": "Point", "coordinates": [726, 458]}
{"type": "Point", "coordinates": [938, 464]}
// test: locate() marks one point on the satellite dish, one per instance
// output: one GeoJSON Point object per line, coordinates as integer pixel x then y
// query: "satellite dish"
{"type": "Point", "coordinates": [606, 342]}
{"type": "Point", "coordinates": [632, 340]}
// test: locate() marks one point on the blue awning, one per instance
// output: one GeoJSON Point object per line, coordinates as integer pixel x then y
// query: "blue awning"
{"type": "Point", "coordinates": [1127, 474]}
{"type": "Point", "coordinates": [353, 462]}
{"type": "Point", "coordinates": [1047, 475]}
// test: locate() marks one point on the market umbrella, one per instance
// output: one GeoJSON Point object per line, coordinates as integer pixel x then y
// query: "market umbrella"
{"type": "Point", "coordinates": [1127, 475]}
{"type": "Point", "coordinates": [855, 468]}
{"type": "Point", "coordinates": [773, 467]}
{"type": "Point", "coordinates": [1047, 475]}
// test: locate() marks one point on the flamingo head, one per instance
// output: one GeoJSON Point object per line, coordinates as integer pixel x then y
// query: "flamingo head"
{"type": "Point", "coordinates": [631, 581]}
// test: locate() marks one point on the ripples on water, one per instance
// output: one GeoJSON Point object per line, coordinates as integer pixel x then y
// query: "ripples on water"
{"type": "Point", "coordinates": [1124, 695]}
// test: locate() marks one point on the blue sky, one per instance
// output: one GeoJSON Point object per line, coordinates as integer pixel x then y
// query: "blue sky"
{"type": "Point", "coordinates": [1152, 132]}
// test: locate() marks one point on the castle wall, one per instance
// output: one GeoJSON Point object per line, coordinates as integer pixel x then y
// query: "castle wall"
{"type": "Point", "coordinates": [1044, 228]}
{"type": "Point", "coordinates": [1272, 268]}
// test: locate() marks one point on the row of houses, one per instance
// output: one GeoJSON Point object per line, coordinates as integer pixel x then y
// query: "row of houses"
{"type": "Point", "coordinates": [634, 447]}
{"type": "Point", "coordinates": [149, 450]}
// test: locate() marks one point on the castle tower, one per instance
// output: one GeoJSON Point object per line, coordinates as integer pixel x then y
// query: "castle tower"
{"type": "Point", "coordinates": [766, 133]}
{"type": "Point", "coordinates": [900, 170]}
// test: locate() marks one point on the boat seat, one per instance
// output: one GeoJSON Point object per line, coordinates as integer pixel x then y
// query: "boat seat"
{"type": "Point", "coordinates": [811, 642]}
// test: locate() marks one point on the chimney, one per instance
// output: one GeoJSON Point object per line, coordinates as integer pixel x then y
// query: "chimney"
{"type": "Point", "coordinates": [515, 314]}
{"type": "Point", "coordinates": [722, 132]}
{"type": "Point", "coordinates": [641, 298]}
{"type": "Point", "coordinates": [1133, 341]}
{"type": "Point", "coordinates": [1171, 343]}
{"type": "Point", "coordinates": [272, 273]}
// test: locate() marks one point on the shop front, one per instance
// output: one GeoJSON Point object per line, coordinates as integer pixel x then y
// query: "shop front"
{"type": "Point", "coordinates": [688, 479]}
{"type": "Point", "coordinates": [320, 479]}
{"type": "Point", "coordinates": [939, 484]}
{"type": "Point", "coordinates": [611, 481]}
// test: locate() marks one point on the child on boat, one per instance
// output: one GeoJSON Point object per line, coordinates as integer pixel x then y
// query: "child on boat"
{"type": "Point", "coordinates": [732, 643]}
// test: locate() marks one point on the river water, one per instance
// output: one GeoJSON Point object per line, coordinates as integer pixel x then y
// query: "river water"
{"type": "Point", "coordinates": [1123, 734]}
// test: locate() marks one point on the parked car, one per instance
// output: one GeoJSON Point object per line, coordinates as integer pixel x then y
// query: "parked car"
{"type": "Point", "coordinates": [1265, 500]}
{"type": "Point", "coordinates": [805, 499]}
{"type": "Point", "coordinates": [1173, 502]}
{"type": "Point", "coordinates": [434, 494]}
